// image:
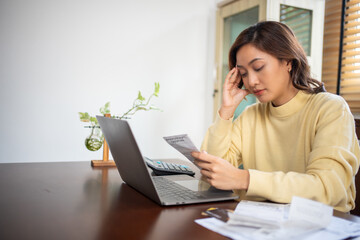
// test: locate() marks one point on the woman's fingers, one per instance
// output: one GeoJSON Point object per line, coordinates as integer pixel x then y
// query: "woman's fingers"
{"type": "Point", "coordinates": [206, 173]}
{"type": "Point", "coordinates": [201, 164]}
{"type": "Point", "coordinates": [204, 156]}
{"type": "Point", "coordinates": [245, 92]}
{"type": "Point", "coordinates": [203, 159]}
{"type": "Point", "coordinates": [232, 77]}
{"type": "Point", "coordinates": [235, 78]}
{"type": "Point", "coordinates": [230, 73]}
{"type": "Point", "coordinates": [220, 173]}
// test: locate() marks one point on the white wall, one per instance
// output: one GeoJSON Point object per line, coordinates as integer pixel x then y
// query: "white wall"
{"type": "Point", "coordinates": [61, 57]}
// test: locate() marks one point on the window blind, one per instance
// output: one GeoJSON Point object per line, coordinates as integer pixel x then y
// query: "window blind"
{"type": "Point", "coordinates": [332, 26]}
{"type": "Point", "coordinates": [350, 61]}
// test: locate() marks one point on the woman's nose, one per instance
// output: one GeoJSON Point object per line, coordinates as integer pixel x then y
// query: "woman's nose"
{"type": "Point", "coordinates": [253, 80]}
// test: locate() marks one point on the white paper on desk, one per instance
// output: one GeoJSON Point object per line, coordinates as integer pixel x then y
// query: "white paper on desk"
{"type": "Point", "coordinates": [268, 211]}
{"type": "Point", "coordinates": [338, 229]}
{"type": "Point", "coordinates": [274, 221]}
{"type": "Point", "coordinates": [233, 232]}
{"type": "Point", "coordinates": [300, 210]}
{"type": "Point", "coordinates": [305, 218]}
{"type": "Point", "coordinates": [259, 215]}
{"type": "Point", "coordinates": [313, 212]}
{"type": "Point", "coordinates": [298, 221]}
{"type": "Point", "coordinates": [183, 144]}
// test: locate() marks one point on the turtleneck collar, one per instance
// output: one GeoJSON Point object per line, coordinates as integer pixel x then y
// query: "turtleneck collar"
{"type": "Point", "coordinates": [291, 107]}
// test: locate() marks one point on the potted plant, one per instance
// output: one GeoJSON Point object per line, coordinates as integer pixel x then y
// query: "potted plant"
{"type": "Point", "coordinates": [95, 140]}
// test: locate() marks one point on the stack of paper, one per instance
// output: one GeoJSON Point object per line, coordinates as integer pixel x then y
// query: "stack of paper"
{"type": "Point", "coordinates": [302, 219]}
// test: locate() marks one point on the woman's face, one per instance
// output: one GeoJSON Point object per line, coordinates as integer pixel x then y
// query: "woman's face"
{"type": "Point", "coordinates": [265, 76]}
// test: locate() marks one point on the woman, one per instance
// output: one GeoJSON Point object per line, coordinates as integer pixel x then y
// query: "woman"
{"type": "Point", "coordinates": [297, 141]}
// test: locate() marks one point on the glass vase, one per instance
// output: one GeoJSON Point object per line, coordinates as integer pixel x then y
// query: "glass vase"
{"type": "Point", "coordinates": [95, 140]}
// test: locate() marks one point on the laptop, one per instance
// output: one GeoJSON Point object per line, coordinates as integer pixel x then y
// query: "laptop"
{"type": "Point", "coordinates": [134, 171]}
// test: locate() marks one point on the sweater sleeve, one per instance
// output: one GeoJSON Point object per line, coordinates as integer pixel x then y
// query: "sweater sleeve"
{"type": "Point", "coordinates": [223, 139]}
{"type": "Point", "coordinates": [331, 166]}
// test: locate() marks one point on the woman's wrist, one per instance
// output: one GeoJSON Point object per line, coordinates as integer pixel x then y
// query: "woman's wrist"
{"type": "Point", "coordinates": [226, 113]}
{"type": "Point", "coordinates": [243, 179]}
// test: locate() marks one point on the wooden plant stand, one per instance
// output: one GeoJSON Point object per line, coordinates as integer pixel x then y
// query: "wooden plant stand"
{"type": "Point", "coordinates": [105, 162]}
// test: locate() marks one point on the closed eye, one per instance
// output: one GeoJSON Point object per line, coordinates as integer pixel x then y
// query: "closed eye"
{"type": "Point", "coordinates": [243, 75]}
{"type": "Point", "coordinates": [258, 69]}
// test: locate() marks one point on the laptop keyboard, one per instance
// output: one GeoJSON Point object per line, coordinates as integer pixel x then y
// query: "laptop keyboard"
{"type": "Point", "coordinates": [169, 189]}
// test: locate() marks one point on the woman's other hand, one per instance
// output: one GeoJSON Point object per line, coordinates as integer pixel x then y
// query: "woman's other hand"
{"type": "Point", "coordinates": [220, 173]}
{"type": "Point", "coordinates": [232, 95]}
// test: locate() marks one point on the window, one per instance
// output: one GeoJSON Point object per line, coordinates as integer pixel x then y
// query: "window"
{"type": "Point", "coordinates": [300, 21]}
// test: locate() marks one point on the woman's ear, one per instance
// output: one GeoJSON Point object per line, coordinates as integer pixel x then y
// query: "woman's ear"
{"type": "Point", "coordinates": [289, 65]}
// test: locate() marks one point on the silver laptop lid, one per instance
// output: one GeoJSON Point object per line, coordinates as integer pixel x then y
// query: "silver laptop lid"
{"type": "Point", "coordinates": [123, 146]}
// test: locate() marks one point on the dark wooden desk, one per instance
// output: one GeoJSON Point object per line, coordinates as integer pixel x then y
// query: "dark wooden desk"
{"type": "Point", "coordinates": [71, 200]}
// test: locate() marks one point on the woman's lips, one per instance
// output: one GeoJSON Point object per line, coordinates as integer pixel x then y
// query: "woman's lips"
{"type": "Point", "coordinates": [259, 92]}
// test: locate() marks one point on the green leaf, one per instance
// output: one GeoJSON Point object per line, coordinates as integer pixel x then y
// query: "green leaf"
{"type": "Point", "coordinates": [141, 108]}
{"type": "Point", "coordinates": [105, 109]}
{"type": "Point", "coordinates": [154, 108]}
{"type": "Point", "coordinates": [102, 110]}
{"type": "Point", "coordinates": [84, 117]}
{"type": "Point", "coordinates": [157, 89]}
{"type": "Point", "coordinates": [93, 120]}
{"type": "Point", "coordinates": [140, 97]}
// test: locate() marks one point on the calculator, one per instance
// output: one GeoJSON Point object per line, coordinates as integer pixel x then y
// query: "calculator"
{"type": "Point", "coordinates": [163, 168]}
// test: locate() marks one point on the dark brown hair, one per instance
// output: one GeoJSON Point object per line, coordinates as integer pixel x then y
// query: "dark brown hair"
{"type": "Point", "coordinates": [278, 40]}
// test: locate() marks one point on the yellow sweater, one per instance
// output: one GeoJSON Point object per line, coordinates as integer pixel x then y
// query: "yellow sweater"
{"type": "Point", "coordinates": [306, 147]}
